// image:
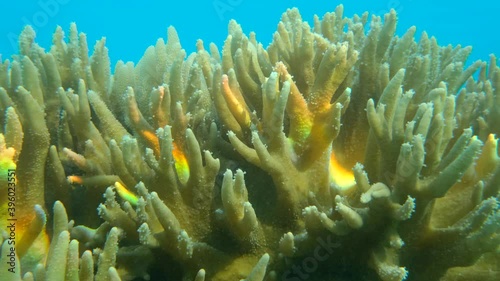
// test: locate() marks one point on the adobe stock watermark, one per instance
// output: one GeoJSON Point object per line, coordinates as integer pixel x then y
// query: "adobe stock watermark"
{"type": "Point", "coordinates": [222, 7]}
{"type": "Point", "coordinates": [304, 269]}
{"type": "Point", "coordinates": [47, 9]}
{"type": "Point", "coordinates": [391, 4]}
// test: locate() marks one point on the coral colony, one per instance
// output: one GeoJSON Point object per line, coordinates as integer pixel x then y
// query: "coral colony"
{"type": "Point", "coordinates": [334, 154]}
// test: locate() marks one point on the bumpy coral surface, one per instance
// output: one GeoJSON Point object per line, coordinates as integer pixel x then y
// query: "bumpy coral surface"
{"type": "Point", "coordinates": [335, 153]}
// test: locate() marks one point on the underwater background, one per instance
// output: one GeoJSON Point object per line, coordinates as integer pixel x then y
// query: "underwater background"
{"type": "Point", "coordinates": [131, 26]}
{"type": "Point", "coordinates": [232, 163]}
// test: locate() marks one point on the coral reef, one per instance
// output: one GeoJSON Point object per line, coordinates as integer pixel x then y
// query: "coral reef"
{"type": "Point", "coordinates": [335, 153]}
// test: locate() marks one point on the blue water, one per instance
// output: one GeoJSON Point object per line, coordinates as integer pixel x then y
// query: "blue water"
{"type": "Point", "coordinates": [131, 26]}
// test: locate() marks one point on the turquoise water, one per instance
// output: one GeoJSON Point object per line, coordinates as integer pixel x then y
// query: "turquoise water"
{"type": "Point", "coordinates": [131, 26]}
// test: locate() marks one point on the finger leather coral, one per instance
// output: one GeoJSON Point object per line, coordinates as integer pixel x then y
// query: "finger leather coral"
{"type": "Point", "coordinates": [341, 151]}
